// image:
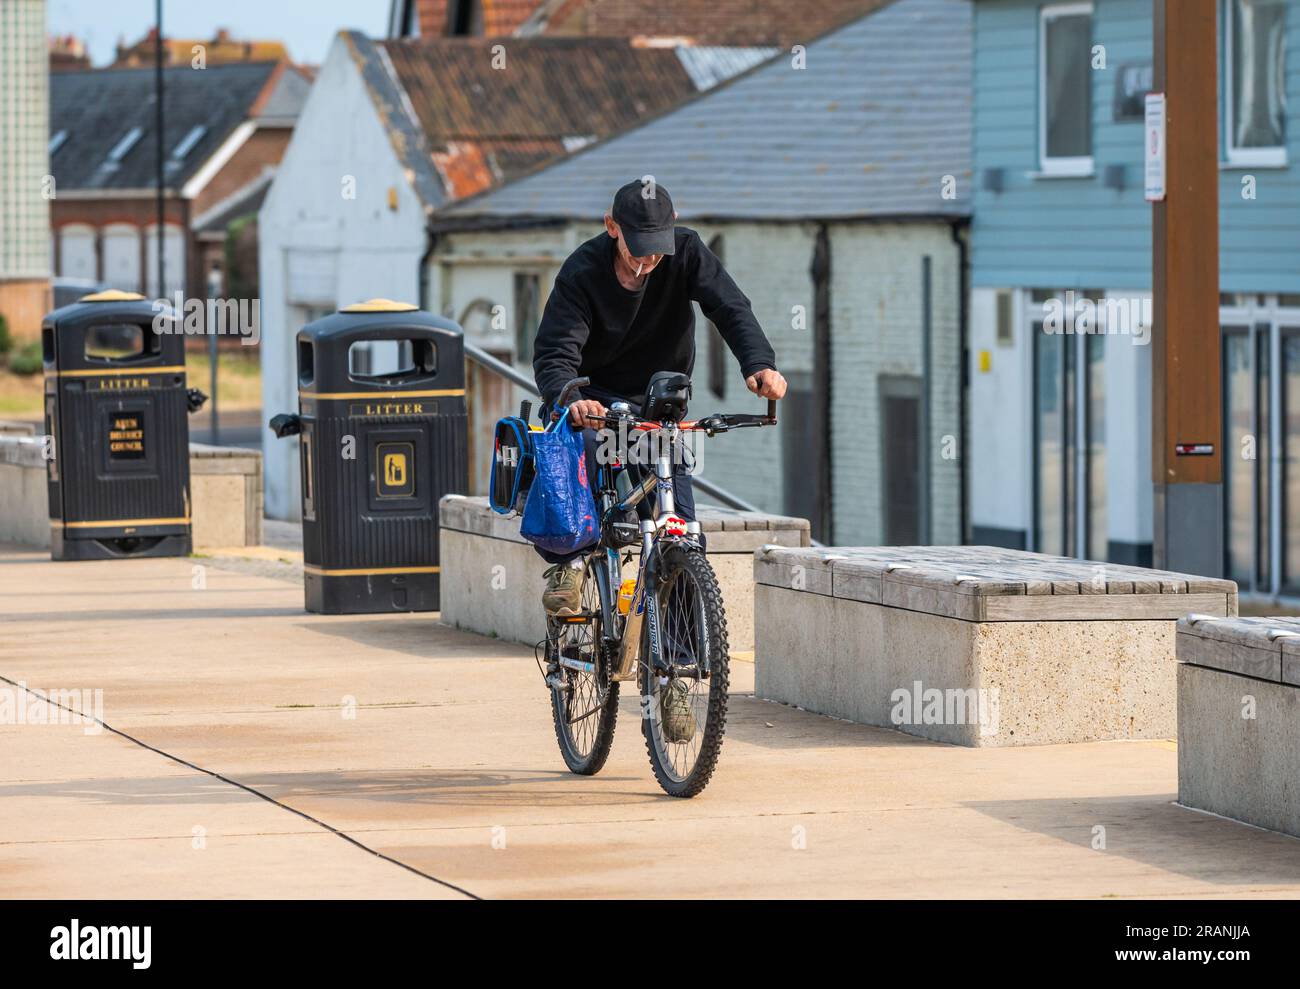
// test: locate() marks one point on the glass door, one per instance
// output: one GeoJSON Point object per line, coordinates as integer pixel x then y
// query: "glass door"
{"type": "Point", "coordinates": [1289, 414]}
{"type": "Point", "coordinates": [1069, 443]}
{"type": "Point", "coordinates": [1261, 442]}
{"type": "Point", "coordinates": [1053, 450]}
{"type": "Point", "coordinates": [1240, 456]}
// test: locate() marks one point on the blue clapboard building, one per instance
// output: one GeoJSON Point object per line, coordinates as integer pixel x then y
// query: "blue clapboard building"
{"type": "Point", "coordinates": [1061, 282]}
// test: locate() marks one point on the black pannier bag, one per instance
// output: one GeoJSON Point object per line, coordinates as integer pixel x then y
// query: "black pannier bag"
{"type": "Point", "coordinates": [512, 462]}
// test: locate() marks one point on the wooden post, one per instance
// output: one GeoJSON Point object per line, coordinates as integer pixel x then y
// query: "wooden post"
{"type": "Point", "coordinates": [1186, 400]}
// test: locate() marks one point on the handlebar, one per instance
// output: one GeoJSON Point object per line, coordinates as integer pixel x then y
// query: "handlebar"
{"type": "Point", "coordinates": [718, 422]}
{"type": "Point", "coordinates": [572, 386]}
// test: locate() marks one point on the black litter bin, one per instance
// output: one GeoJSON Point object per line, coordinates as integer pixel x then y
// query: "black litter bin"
{"type": "Point", "coordinates": [383, 435]}
{"type": "Point", "coordinates": [116, 404]}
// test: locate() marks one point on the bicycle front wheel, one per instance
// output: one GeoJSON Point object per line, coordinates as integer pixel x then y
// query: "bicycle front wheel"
{"type": "Point", "coordinates": [585, 708]}
{"type": "Point", "coordinates": [684, 709]}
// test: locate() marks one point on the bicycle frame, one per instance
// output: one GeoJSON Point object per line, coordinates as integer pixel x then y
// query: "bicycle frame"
{"type": "Point", "coordinates": [644, 607]}
{"type": "Point", "coordinates": [625, 636]}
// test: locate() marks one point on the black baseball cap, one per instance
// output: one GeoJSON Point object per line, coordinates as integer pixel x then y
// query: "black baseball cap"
{"type": "Point", "coordinates": [644, 212]}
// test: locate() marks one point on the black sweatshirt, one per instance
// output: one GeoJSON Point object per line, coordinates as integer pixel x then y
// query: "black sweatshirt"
{"type": "Point", "coordinates": [593, 327]}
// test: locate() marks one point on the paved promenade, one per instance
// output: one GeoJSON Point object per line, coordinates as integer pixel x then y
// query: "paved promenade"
{"type": "Point", "coordinates": [254, 750]}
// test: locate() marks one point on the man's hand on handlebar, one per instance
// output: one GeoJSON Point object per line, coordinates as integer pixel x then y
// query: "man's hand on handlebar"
{"type": "Point", "coordinates": [767, 383]}
{"type": "Point", "coordinates": [582, 411]}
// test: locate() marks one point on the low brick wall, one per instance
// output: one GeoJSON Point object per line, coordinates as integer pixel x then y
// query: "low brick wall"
{"type": "Point", "coordinates": [492, 578]}
{"type": "Point", "coordinates": [1239, 719]}
{"type": "Point", "coordinates": [975, 645]}
{"type": "Point", "coordinates": [225, 494]}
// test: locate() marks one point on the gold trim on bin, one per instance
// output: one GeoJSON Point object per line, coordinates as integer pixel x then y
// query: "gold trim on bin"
{"type": "Point", "coordinates": [112, 295]}
{"type": "Point", "coordinates": [101, 372]}
{"type": "Point", "coordinates": [117, 523]}
{"type": "Point", "coordinates": [380, 305]}
{"type": "Point", "coordinates": [336, 395]}
{"type": "Point", "coordinates": [364, 572]}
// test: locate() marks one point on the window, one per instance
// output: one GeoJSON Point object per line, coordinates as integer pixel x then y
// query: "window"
{"type": "Point", "coordinates": [122, 147]}
{"type": "Point", "coordinates": [464, 18]}
{"type": "Point", "coordinates": [1065, 89]}
{"type": "Point", "coordinates": [1006, 328]}
{"type": "Point", "coordinates": [528, 294]}
{"type": "Point", "coordinates": [1255, 101]}
{"type": "Point", "coordinates": [1069, 433]}
{"type": "Point", "coordinates": [119, 342]}
{"type": "Point", "coordinates": [56, 142]}
{"type": "Point", "coordinates": [900, 451]}
{"type": "Point", "coordinates": [187, 143]}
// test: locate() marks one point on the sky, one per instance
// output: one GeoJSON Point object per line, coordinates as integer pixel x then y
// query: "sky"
{"type": "Point", "coordinates": [305, 26]}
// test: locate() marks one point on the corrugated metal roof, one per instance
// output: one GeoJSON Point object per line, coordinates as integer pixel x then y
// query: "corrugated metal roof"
{"type": "Point", "coordinates": [870, 127]}
{"type": "Point", "coordinates": [99, 109]}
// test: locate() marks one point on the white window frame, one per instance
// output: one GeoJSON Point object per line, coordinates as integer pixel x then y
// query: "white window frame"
{"type": "Point", "coordinates": [1078, 165]}
{"type": "Point", "coordinates": [1274, 157]}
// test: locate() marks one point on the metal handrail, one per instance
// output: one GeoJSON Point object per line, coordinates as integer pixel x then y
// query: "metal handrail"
{"type": "Point", "coordinates": [483, 358]}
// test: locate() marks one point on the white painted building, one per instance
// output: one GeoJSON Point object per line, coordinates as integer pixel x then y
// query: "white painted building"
{"type": "Point", "coordinates": [393, 130]}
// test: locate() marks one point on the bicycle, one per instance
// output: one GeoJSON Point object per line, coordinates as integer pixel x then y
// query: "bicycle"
{"type": "Point", "coordinates": [672, 635]}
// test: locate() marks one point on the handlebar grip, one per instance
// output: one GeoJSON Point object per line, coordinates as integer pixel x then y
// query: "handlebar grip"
{"type": "Point", "coordinates": [771, 409]}
{"type": "Point", "coordinates": [572, 386]}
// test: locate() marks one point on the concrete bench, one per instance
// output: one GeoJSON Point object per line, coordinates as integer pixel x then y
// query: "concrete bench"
{"type": "Point", "coordinates": [24, 491]}
{"type": "Point", "coordinates": [492, 578]}
{"type": "Point", "coordinates": [225, 494]}
{"type": "Point", "coordinates": [975, 645]}
{"type": "Point", "coordinates": [1239, 719]}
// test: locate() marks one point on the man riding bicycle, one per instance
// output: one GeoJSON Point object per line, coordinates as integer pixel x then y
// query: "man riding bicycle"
{"type": "Point", "coordinates": [621, 310]}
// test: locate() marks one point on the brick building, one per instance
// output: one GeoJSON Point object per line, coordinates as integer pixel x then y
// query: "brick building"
{"type": "Point", "coordinates": [221, 49]}
{"type": "Point", "coordinates": [225, 130]}
{"type": "Point", "coordinates": [701, 22]}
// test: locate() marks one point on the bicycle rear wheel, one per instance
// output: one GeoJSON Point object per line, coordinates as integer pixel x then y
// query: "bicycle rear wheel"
{"type": "Point", "coordinates": [585, 709]}
{"type": "Point", "coordinates": [684, 739]}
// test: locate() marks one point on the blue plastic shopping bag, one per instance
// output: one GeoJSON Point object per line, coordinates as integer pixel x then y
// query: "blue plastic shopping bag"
{"type": "Point", "coordinates": [560, 513]}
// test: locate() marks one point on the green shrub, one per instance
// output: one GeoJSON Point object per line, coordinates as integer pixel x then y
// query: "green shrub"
{"type": "Point", "coordinates": [27, 360]}
{"type": "Point", "coordinates": [6, 340]}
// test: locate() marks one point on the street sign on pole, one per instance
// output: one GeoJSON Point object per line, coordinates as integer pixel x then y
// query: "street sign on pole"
{"type": "Point", "coordinates": [1155, 147]}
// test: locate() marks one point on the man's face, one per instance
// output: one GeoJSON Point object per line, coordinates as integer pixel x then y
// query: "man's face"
{"type": "Point", "coordinates": [641, 265]}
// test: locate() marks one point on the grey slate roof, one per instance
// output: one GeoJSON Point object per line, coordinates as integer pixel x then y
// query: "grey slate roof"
{"type": "Point", "coordinates": [97, 108]}
{"type": "Point", "coordinates": [869, 128]}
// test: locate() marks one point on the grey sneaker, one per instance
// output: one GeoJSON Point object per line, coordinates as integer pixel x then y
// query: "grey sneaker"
{"type": "Point", "coordinates": [675, 714]}
{"type": "Point", "coordinates": [563, 595]}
